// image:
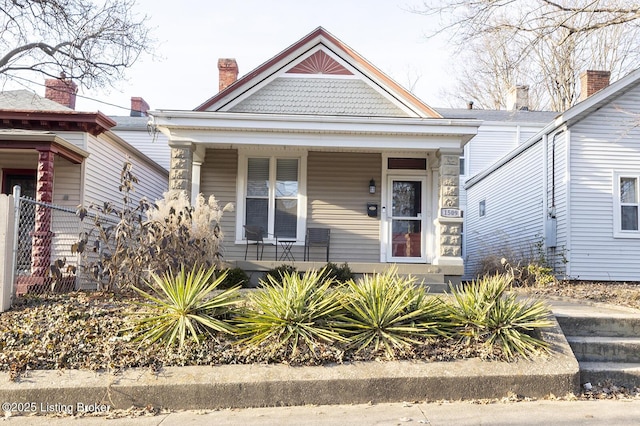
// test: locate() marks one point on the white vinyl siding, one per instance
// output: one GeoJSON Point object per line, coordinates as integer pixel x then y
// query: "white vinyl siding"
{"type": "Point", "coordinates": [102, 174]}
{"type": "Point", "coordinates": [155, 147]}
{"type": "Point", "coordinates": [513, 220]}
{"type": "Point", "coordinates": [604, 143]}
{"type": "Point", "coordinates": [67, 190]}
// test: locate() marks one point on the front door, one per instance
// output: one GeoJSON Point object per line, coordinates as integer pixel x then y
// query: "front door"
{"type": "Point", "coordinates": [406, 219]}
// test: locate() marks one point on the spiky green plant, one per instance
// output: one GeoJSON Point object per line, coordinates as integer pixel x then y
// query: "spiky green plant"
{"type": "Point", "coordinates": [289, 310]}
{"type": "Point", "coordinates": [387, 311]}
{"type": "Point", "coordinates": [185, 304]}
{"type": "Point", "coordinates": [481, 311]}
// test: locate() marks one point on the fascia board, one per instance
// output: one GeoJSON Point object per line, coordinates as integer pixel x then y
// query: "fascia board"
{"type": "Point", "coordinates": [306, 123]}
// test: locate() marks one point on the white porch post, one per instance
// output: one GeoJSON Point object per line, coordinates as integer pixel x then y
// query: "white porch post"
{"type": "Point", "coordinates": [448, 228]}
{"type": "Point", "coordinates": [198, 160]}
{"type": "Point", "coordinates": [195, 181]}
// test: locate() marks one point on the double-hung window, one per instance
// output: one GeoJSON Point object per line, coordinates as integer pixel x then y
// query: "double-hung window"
{"type": "Point", "coordinates": [272, 196]}
{"type": "Point", "coordinates": [627, 202]}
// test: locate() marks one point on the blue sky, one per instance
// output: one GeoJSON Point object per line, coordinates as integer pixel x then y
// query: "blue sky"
{"type": "Point", "coordinates": [193, 35]}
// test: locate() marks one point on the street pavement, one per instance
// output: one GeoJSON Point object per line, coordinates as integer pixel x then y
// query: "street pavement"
{"type": "Point", "coordinates": [542, 412]}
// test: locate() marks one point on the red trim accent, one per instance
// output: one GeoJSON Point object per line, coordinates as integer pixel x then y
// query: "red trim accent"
{"type": "Point", "coordinates": [319, 63]}
{"type": "Point", "coordinates": [317, 33]}
{"type": "Point", "coordinates": [94, 123]}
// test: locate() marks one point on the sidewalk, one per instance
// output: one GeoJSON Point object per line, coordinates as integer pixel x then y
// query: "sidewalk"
{"type": "Point", "coordinates": [619, 413]}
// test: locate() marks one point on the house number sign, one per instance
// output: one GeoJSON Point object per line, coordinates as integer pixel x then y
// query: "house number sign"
{"type": "Point", "coordinates": [450, 213]}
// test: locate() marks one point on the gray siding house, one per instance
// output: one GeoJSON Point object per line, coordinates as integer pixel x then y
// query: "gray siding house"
{"type": "Point", "coordinates": [318, 137]}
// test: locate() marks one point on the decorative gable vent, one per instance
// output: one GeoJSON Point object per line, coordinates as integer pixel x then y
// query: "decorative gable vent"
{"type": "Point", "coordinates": [319, 63]}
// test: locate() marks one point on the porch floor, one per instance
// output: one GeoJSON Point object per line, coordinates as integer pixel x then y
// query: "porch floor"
{"type": "Point", "coordinates": [437, 278]}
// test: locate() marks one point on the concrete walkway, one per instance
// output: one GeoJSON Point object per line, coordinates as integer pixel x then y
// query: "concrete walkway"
{"type": "Point", "coordinates": [612, 412]}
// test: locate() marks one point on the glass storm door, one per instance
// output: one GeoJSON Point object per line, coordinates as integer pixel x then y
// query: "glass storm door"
{"type": "Point", "coordinates": [406, 220]}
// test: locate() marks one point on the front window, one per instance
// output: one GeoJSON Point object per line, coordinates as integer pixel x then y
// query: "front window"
{"type": "Point", "coordinates": [272, 195]}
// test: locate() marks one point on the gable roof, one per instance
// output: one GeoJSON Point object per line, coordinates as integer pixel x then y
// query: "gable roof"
{"type": "Point", "coordinates": [571, 116]}
{"type": "Point", "coordinates": [321, 54]}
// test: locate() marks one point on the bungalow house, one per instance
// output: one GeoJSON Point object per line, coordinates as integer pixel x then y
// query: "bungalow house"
{"type": "Point", "coordinates": [64, 157]}
{"type": "Point", "coordinates": [570, 193]}
{"type": "Point", "coordinates": [318, 137]}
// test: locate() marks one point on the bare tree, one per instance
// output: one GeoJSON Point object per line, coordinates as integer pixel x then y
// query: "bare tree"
{"type": "Point", "coordinates": [546, 42]}
{"type": "Point", "coordinates": [89, 42]}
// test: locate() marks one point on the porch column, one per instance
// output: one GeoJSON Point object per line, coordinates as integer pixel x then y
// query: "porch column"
{"type": "Point", "coordinates": [448, 222]}
{"type": "Point", "coordinates": [181, 168]}
{"type": "Point", "coordinates": [195, 183]}
{"type": "Point", "coordinates": [42, 236]}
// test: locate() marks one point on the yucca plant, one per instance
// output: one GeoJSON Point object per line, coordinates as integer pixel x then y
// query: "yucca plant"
{"type": "Point", "coordinates": [481, 312]}
{"type": "Point", "coordinates": [386, 311]}
{"type": "Point", "coordinates": [184, 305]}
{"type": "Point", "coordinates": [291, 310]}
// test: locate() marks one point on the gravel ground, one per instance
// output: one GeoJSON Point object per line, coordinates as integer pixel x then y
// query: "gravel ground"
{"type": "Point", "coordinates": [93, 331]}
{"type": "Point", "coordinates": [622, 294]}
{"type": "Point", "coordinates": [86, 331]}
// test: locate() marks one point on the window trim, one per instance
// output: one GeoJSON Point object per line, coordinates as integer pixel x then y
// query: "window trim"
{"type": "Point", "coordinates": [618, 232]}
{"type": "Point", "coordinates": [241, 191]}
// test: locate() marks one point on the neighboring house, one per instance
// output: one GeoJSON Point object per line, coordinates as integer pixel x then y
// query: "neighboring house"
{"type": "Point", "coordinates": [500, 132]}
{"type": "Point", "coordinates": [570, 193]}
{"type": "Point", "coordinates": [136, 131]}
{"type": "Point", "coordinates": [298, 142]}
{"type": "Point", "coordinates": [65, 157]}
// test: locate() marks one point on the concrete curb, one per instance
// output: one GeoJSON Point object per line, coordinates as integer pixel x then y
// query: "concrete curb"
{"type": "Point", "coordinates": [238, 386]}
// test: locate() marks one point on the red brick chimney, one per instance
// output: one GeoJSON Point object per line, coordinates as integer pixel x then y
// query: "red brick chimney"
{"type": "Point", "coordinates": [61, 90]}
{"type": "Point", "coordinates": [139, 107]}
{"type": "Point", "coordinates": [593, 81]}
{"type": "Point", "coordinates": [228, 72]}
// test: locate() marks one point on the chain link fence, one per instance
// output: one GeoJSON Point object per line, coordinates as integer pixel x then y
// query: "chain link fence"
{"type": "Point", "coordinates": [46, 259]}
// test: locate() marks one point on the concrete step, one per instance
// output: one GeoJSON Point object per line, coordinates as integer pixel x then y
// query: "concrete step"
{"type": "Point", "coordinates": [605, 349]}
{"type": "Point", "coordinates": [618, 325]}
{"type": "Point", "coordinates": [437, 288]}
{"type": "Point", "coordinates": [620, 373]}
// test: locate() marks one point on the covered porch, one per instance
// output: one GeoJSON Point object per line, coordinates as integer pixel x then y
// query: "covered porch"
{"type": "Point", "coordinates": [386, 189]}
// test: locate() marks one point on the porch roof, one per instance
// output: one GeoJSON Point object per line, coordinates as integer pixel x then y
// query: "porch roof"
{"type": "Point", "coordinates": [41, 141]}
{"type": "Point", "coordinates": [203, 127]}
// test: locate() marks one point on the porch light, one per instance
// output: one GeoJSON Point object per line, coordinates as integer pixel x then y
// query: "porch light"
{"type": "Point", "coordinates": [372, 186]}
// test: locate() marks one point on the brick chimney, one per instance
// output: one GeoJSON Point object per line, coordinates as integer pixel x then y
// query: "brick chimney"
{"type": "Point", "coordinates": [139, 107]}
{"type": "Point", "coordinates": [228, 72]}
{"type": "Point", "coordinates": [518, 98]}
{"type": "Point", "coordinates": [61, 90]}
{"type": "Point", "coordinates": [593, 81]}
